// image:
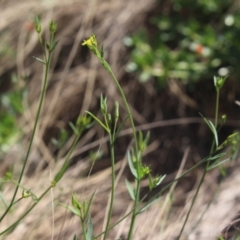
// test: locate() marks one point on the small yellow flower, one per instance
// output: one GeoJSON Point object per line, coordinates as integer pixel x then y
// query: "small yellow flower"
{"type": "Point", "coordinates": [91, 42]}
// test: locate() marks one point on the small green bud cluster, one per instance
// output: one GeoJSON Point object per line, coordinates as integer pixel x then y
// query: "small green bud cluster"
{"type": "Point", "coordinates": [218, 82]}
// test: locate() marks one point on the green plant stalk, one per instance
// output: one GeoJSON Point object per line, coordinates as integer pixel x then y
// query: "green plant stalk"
{"type": "Point", "coordinates": [192, 203]}
{"type": "Point", "coordinates": [27, 212]}
{"type": "Point", "coordinates": [44, 88]}
{"type": "Point", "coordinates": [83, 229]}
{"type": "Point", "coordinates": [106, 122]}
{"type": "Point", "coordinates": [216, 110]}
{"type": "Point", "coordinates": [207, 207]}
{"type": "Point", "coordinates": [124, 101]}
{"type": "Point", "coordinates": [205, 170]}
{"type": "Point", "coordinates": [137, 192]}
{"type": "Point", "coordinates": [91, 43]}
{"type": "Point", "coordinates": [42, 46]}
{"type": "Point", "coordinates": [111, 137]}
{"type": "Point", "coordinates": [215, 120]}
{"type": "Point", "coordinates": [66, 162]}
{"type": "Point", "coordinates": [115, 224]}
{"type": "Point", "coordinates": [135, 209]}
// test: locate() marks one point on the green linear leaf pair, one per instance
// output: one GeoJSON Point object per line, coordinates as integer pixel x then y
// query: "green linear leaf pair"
{"type": "Point", "coordinates": [82, 210]}
{"type": "Point", "coordinates": [139, 172]}
{"type": "Point", "coordinates": [212, 128]}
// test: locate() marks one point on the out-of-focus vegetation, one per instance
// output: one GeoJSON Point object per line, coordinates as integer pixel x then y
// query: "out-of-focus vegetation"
{"type": "Point", "coordinates": [11, 107]}
{"type": "Point", "coordinates": [188, 40]}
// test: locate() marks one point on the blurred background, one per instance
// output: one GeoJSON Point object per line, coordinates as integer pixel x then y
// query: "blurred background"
{"type": "Point", "coordinates": [165, 55]}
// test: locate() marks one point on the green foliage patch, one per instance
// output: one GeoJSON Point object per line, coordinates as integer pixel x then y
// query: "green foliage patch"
{"type": "Point", "coordinates": [189, 41]}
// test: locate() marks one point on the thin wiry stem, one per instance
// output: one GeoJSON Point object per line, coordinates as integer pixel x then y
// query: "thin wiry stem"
{"type": "Point", "coordinates": [205, 170]}
{"type": "Point", "coordinates": [44, 88]}
{"type": "Point", "coordinates": [113, 186]}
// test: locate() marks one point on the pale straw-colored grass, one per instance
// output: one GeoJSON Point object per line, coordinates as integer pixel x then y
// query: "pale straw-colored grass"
{"type": "Point", "coordinates": [74, 87]}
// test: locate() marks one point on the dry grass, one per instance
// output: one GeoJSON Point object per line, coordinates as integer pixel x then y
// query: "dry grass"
{"type": "Point", "coordinates": [77, 81]}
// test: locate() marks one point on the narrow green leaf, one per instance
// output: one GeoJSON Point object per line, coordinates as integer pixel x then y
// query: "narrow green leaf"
{"type": "Point", "coordinates": [146, 140]}
{"type": "Point", "coordinates": [75, 237]}
{"type": "Point", "coordinates": [89, 204]}
{"type": "Point", "coordinates": [55, 44]}
{"type": "Point", "coordinates": [131, 166]}
{"type": "Point", "coordinates": [100, 122]}
{"type": "Point", "coordinates": [212, 128]}
{"type": "Point", "coordinates": [148, 205]}
{"type": "Point", "coordinates": [39, 60]}
{"type": "Point", "coordinates": [130, 189]}
{"type": "Point", "coordinates": [160, 180]}
{"type": "Point", "coordinates": [217, 164]}
{"type": "Point", "coordinates": [34, 198]}
{"type": "Point", "coordinates": [122, 125]}
{"type": "Point", "coordinates": [3, 199]}
{"type": "Point", "coordinates": [214, 131]}
{"type": "Point", "coordinates": [216, 156]}
{"type": "Point", "coordinates": [73, 128]}
{"type": "Point", "coordinates": [72, 209]}
{"type": "Point", "coordinates": [89, 229]}
{"type": "Point", "coordinates": [61, 172]}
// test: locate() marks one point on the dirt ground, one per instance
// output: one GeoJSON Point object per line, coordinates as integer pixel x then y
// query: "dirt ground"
{"type": "Point", "coordinates": [179, 138]}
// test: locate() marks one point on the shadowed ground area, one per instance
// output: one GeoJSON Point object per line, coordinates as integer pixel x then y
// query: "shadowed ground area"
{"type": "Point", "coordinates": [179, 137]}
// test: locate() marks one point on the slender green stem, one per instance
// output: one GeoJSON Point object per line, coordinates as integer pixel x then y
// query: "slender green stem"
{"type": "Point", "coordinates": [83, 229]}
{"type": "Point", "coordinates": [135, 210]}
{"type": "Point", "coordinates": [205, 169]}
{"type": "Point", "coordinates": [207, 207]}
{"type": "Point", "coordinates": [137, 191]}
{"type": "Point", "coordinates": [115, 224]}
{"type": "Point", "coordinates": [184, 174]}
{"type": "Point", "coordinates": [192, 203]}
{"type": "Point", "coordinates": [216, 109]}
{"type": "Point", "coordinates": [44, 88]}
{"type": "Point", "coordinates": [26, 213]}
{"type": "Point", "coordinates": [42, 46]}
{"type": "Point", "coordinates": [92, 44]}
{"type": "Point", "coordinates": [67, 160]}
{"type": "Point", "coordinates": [113, 185]}
{"type": "Point", "coordinates": [125, 103]}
